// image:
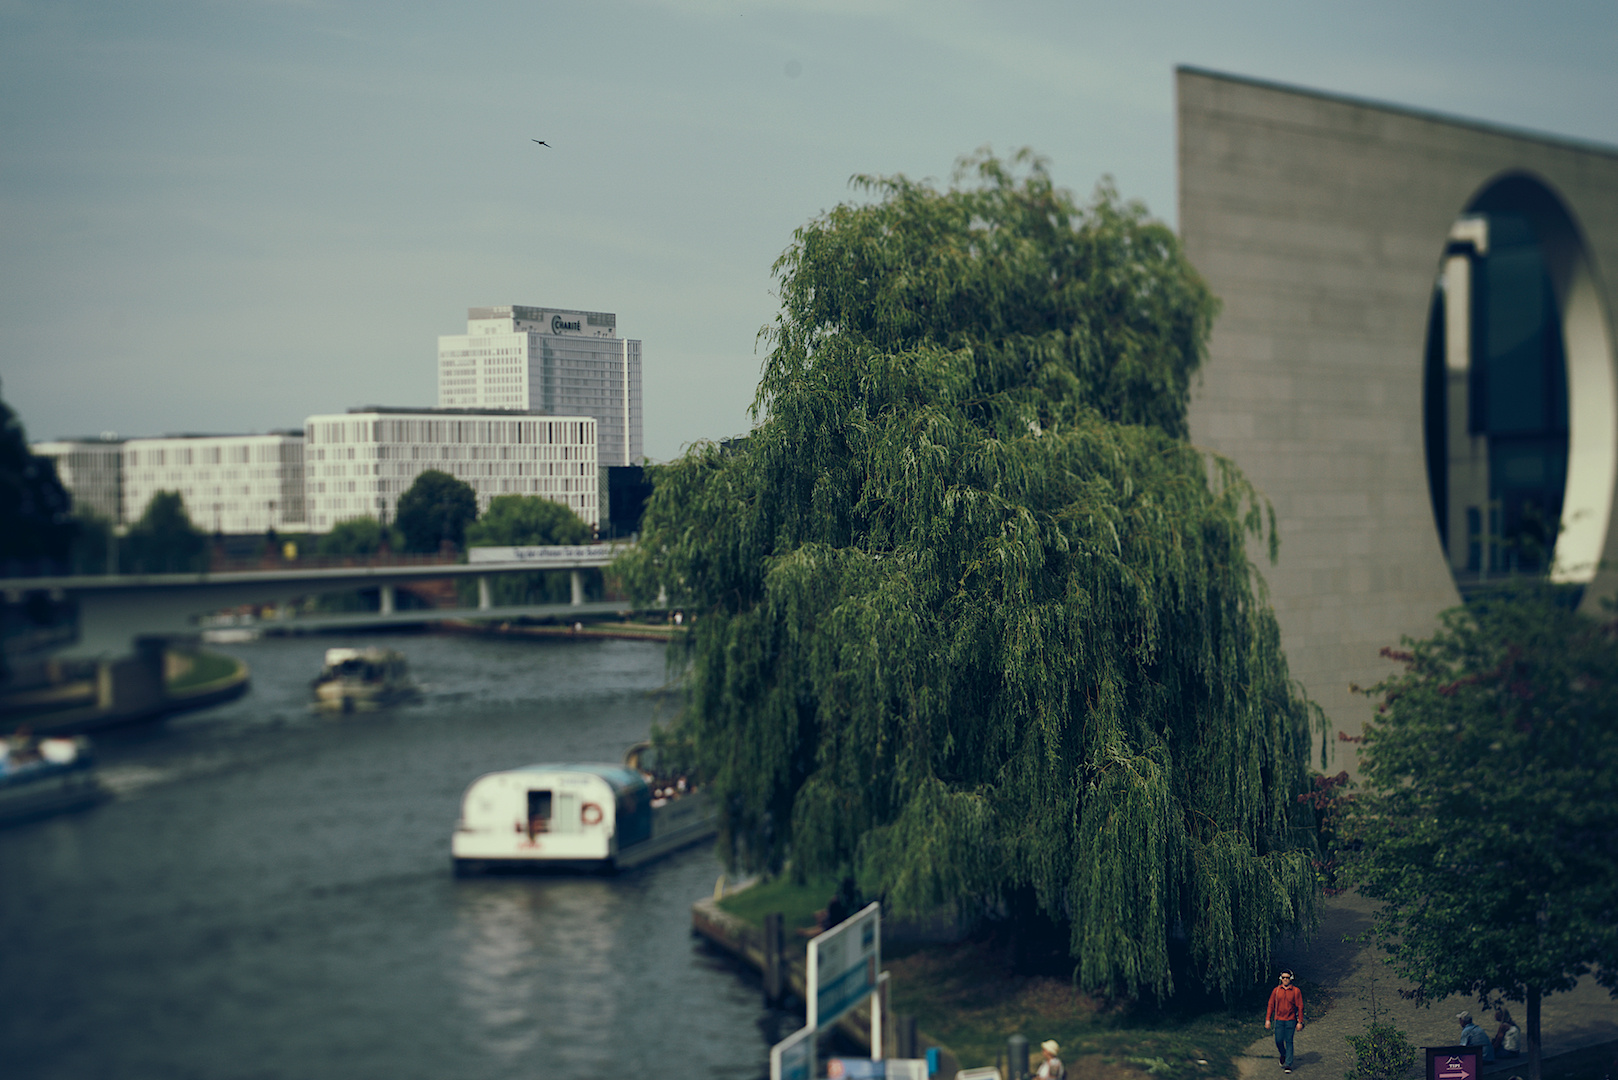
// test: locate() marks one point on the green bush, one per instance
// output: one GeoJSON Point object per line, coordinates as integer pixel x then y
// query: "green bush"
{"type": "Point", "coordinates": [1382, 1053]}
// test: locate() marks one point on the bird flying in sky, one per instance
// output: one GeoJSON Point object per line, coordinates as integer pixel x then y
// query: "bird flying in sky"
{"type": "Point", "coordinates": [541, 142]}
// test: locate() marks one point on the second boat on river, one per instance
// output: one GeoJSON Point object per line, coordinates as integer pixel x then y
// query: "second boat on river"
{"type": "Point", "coordinates": [359, 679]}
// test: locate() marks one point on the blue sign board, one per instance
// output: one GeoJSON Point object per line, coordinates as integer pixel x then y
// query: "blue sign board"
{"type": "Point", "coordinates": [843, 966]}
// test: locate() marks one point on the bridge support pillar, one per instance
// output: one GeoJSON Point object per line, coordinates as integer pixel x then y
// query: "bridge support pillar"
{"type": "Point", "coordinates": [578, 587]}
{"type": "Point", "coordinates": [484, 602]}
{"type": "Point", "coordinates": [387, 599]}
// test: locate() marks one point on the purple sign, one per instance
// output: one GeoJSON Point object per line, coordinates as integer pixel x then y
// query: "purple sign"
{"type": "Point", "coordinates": [1454, 1062]}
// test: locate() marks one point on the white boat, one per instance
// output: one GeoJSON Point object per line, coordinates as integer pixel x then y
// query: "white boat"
{"type": "Point", "coordinates": [356, 679]}
{"type": "Point", "coordinates": [46, 777]}
{"type": "Point", "coordinates": [577, 816]}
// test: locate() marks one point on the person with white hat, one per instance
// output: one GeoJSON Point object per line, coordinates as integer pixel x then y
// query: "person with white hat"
{"type": "Point", "coordinates": [1051, 1068]}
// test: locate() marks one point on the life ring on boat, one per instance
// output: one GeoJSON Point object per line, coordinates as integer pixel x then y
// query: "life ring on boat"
{"type": "Point", "coordinates": [590, 814]}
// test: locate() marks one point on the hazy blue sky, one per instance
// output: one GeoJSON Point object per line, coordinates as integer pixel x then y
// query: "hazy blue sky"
{"type": "Point", "coordinates": [224, 215]}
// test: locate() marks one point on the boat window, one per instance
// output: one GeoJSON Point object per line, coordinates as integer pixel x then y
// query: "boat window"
{"type": "Point", "coordinates": [566, 818]}
{"type": "Point", "coordinates": [634, 815]}
{"type": "Point", "coordinates": [539, 813]}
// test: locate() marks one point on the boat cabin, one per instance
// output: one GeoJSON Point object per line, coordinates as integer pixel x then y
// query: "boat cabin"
{"type": "Point", "coordinates": [568, 813]}
{"type": "Point", "coordinates": [366, 665]}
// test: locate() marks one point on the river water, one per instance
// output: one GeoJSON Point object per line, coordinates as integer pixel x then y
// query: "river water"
{"type": "Point", "coordinates": [269, 894]}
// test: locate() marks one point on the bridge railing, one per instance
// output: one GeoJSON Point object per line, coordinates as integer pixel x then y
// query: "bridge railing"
{"type": "Point", "coordinates": [221, 564]}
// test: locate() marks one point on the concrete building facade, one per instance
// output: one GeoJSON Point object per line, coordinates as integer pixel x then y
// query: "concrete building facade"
{"type": "Point", "coordinates": [551, 361]}
{"type": "Point", "coordinates": [92, 470]}
{"type": "Point", "coordinates": [1358, 379]}
{"type": "Point", "coordinates": [230, 483]}
{"type": "Point", "coordinates": [360, 462]}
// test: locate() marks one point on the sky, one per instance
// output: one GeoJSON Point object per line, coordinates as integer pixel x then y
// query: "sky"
{"type": "Point", "coordinates": [228, 215]}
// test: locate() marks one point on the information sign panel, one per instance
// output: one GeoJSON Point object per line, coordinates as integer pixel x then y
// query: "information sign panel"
{"type": "Point", "coordinates": [1454, 1062]}
{"type": "Point", "coordinates": [843, 965]}
{"type": "Point", "coordinates": [792, 1058]}
{"type": "Point", "coordinates": [841, 1068]}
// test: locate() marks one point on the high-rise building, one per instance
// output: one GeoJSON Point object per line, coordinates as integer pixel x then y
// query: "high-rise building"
{"type": "Point", "coordinates": [550, 361]}
{"type": "Point", "coordinates": [91, 470]}
{"type": "Point", "coordinates": [230, 483]}
{"type": "Point", "coordinates": [360, 462]}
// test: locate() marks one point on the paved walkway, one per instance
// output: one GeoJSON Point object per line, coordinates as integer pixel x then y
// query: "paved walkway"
{"type": "Point", "coordinates": [1583, 1017]}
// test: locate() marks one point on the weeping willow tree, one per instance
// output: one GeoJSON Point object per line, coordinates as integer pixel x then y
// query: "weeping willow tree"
{"type": "Point", "coordinates": [974, 621]}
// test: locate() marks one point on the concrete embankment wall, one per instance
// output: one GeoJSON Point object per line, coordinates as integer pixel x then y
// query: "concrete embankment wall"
{"type": "Point", "coordinates": [745, 942]}
{"type": "Point", "coordinates": [118, 692]}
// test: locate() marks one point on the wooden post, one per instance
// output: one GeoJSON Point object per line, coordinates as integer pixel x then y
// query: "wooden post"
{"type": "Point", "coordinates": [774, 968]}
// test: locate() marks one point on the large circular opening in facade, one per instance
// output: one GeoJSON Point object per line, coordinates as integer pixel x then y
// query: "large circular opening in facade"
{"type": "Point", "coordinates": [1519, 410]}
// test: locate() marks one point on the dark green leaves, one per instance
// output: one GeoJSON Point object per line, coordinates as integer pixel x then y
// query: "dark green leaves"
{"type": "Point", "coordinates": [973, 620]}
{"type": "Point", "coordinates": [1489, 823]}
{"type": "Point", "coordinates": [436, 510]}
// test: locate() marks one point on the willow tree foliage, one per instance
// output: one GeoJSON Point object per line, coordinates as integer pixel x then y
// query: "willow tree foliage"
{"type": "Point", "coordinates": [1487, 820]}
{"type": "Point", "coordinates": [973, 619]}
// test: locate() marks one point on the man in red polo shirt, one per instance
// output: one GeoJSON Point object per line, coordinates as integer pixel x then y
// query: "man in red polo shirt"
{"type": "Point", "coordinates": [1286, 1012]}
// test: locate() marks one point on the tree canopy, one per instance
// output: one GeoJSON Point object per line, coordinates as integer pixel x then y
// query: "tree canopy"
{"type": "Point", "coordinates": [521, 520]}
{"type": "Point", "coordinates": [164, 541]}
{"type": "Point", "coordinates": [363, 535]}
{"type": "Point", "coordinates": [35, 509]}
{"type": "Point", "coordinates": [1487, 823]}
{"type": "Point", "coordinates": [434, 509]}
{"type": "Point", "coordinates": [973, 620]}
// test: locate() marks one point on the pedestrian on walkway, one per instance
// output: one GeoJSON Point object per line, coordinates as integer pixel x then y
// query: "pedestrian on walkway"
{"type": "Point", "coordinates": [1286, 1013]}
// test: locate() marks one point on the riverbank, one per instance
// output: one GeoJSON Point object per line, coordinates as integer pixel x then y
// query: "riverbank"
{"type": "Point", "coordinates": [77, 699]}
{"type": "Point", "coordinates": [620, 631]}
{"type": "Point", "coordinates": [744, 941]}
{"type": "Point", "coordinates": [960, 998]}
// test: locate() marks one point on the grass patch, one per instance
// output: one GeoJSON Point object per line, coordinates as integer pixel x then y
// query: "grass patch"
{"type": "Point", "coordinates": [797, 903]}
{"type": "Point", "coordinates": [206, 667]}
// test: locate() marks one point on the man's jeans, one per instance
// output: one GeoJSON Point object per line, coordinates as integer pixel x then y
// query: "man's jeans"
{"type": "Point", "coordinates": [1284, 1030]}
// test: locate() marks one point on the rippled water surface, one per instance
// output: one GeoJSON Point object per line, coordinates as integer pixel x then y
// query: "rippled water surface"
{"type": "Point", "coordinates": [269, 894]}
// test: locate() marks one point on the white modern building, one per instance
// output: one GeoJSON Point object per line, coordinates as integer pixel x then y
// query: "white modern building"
{"type": "Point", "coordinates": [551, 361]}
{"type": "Point", "coordinates": [91, 470]}
{"type": "Point", "coordinates": [230, 483]}
{"type": "Point", "coordinates": [360, 462]}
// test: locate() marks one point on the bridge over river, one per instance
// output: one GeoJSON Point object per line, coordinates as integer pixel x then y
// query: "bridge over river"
{"type": "Point", "coordinates": [113, 610]}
